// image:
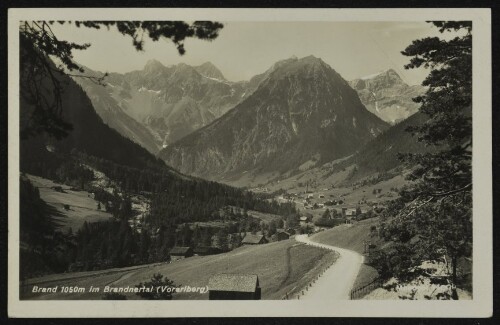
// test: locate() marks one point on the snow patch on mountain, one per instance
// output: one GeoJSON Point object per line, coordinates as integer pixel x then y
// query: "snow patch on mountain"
{"type": "Point", "coordinates": [217, 80]}
{"type": "Point", "coordinates": [144, 89]}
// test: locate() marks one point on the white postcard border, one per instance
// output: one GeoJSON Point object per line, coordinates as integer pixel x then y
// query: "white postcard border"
{"type": "Point", "coordinates": [480, 306]}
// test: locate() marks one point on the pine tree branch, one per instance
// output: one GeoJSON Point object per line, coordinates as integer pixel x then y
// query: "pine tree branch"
{"type": "Point", "coordinates": [466, 187]}
{"type": "Point", "coordinates": [419, 206]}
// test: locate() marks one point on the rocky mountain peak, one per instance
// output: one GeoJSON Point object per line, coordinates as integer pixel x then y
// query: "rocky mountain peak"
{"type": "Point", "coordinates": [390, 76]}
{"type": "Point", "coordinates": [300, 109]}
{"type": "Point", "coordinates": [384, 79]}
{"type": "Point", "coordinates": [153, 65]}
{"type": "Point", "coordinates": [185, 72]}
{"type": "Point", "coordinates": [309, 78]}
{"type": "Point", "coordinates": [392, 72]}
{"type": "Point", "coordinates": [311, 59]}
{"type": "Point", "coordinates": [208, 69]}
{"type": "Point", "coordinates": [387, 95]}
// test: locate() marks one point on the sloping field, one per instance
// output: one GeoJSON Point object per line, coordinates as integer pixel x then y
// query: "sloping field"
{"type": "Point", "coordinates": [81, 207]}
{"type": "Point", "coordinates": [348, 236]}
{"type": "Point", "coordinates": [282, 267]}
{"type": "Point", "coordinates": [266, 217]}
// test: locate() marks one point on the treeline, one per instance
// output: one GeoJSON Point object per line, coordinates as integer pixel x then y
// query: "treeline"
{"type": "Point", "coordinates": [174, 200]}
{"type": "Point", "coordinates": [114, 243]}
{"type": "Point", "coordinates": [107, 244]}
{"type": "Point", "coordinates": [186, 206]}
{"type": "Point", "coordinates": [178, 199]}
{"type": "Point", "coordinates": [37, 160]}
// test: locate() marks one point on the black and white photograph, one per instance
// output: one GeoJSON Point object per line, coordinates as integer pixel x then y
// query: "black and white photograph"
{"type": "Point", "coordinates": [207, 156]}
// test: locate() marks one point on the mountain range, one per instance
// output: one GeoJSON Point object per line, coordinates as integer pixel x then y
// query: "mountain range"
{"type": "Point", "coordinates": [302, 108]}
{"type": "Point", "coordinates": [158, 105]}
{"type": "Point", "coordinates": [89, 135]}
{"type": "Point", "coordinates": [298, 111]}
{"type": "Point", "coordinates": [386, 95]}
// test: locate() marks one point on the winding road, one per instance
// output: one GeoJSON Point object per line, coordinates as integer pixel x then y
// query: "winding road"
{"type": "Point", "coordinates": [337, 281]}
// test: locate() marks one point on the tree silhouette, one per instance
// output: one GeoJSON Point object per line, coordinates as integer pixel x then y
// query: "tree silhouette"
{"type": "Point", "coordinates": [44, 58]}
{"type": "Point", "coordinates": [433, 216]}
{"type": "Point", "coordinates": [163, 288]}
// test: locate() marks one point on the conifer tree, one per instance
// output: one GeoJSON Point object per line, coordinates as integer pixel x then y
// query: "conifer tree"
{"type": "Point", "coordinates": [163, 288]}
{"type": "Point", "coordinates": [433, 216]}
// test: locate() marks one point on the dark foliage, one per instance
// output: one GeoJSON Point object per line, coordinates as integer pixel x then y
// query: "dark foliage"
{"type": "Point", "coordinates": [433, 216]}
{"type": "Point", "coordinates": [44, 249]}
{"type": "Point", "coordinates": [162, 288]}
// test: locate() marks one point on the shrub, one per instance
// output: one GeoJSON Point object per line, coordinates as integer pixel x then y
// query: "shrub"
{"type": "Point", "coordinates": [165, 291]}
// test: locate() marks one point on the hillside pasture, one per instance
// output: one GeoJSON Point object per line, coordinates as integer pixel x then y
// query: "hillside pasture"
{"type": "Point", "coordinates": [282, 267]}
{"type": "Point", "coordinates": [348, 236]}
{"type": "Point", "coordinates": [265, 217]}
{"type": "Point", "coordinates": [82, 207]}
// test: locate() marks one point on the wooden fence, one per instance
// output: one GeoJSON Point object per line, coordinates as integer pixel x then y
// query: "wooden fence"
{"type": "Point", "coordinates": [296, 294]}
{"type": "Point", "coordinates": [360, 292]}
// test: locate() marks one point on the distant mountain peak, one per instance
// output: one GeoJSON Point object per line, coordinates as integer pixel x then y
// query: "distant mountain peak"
{"type": "Point", "coordinates": [309, 66]}
{"type": "Point", "coordinates": [183, 66]}
{"type": "Point", "coordinates": [387, 95]}
{"type": "Point", "coordinates": [300, 108]}
{"type": "Point", "coordinates": [208, 69]}
{"type": "Point", "coordinates": [208, 65]}
{"type": "Point", "coordinates": [313, 61]}
{"type": "Point", "coordinates": [392, 71]}
{"type": "Point", "coordinates": [310, 58]}
{"type": "Point", "coordinates": [184, 70]}
{"type": "Point", "coordinates": [382, 73]}
{"type": "Point", "coordinates": [153, 64]}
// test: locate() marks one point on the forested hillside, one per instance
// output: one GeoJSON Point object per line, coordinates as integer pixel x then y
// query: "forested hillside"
{"type": "Point", "coordinates": [93, 146]}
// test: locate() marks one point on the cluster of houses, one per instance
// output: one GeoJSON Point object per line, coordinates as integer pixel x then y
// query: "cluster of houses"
{"type": "Point", "coordinates": [262, 189]}
{"type": "Point", "coordinates": [181, 252]}
{"type": "Point", "coordinates": [255, 239]}
{"type": "Point", "coordinates": [308, 204]}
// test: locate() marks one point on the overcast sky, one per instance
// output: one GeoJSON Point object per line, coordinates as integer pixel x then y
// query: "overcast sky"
{"type": "Point", "coordinates": [245, 49]}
